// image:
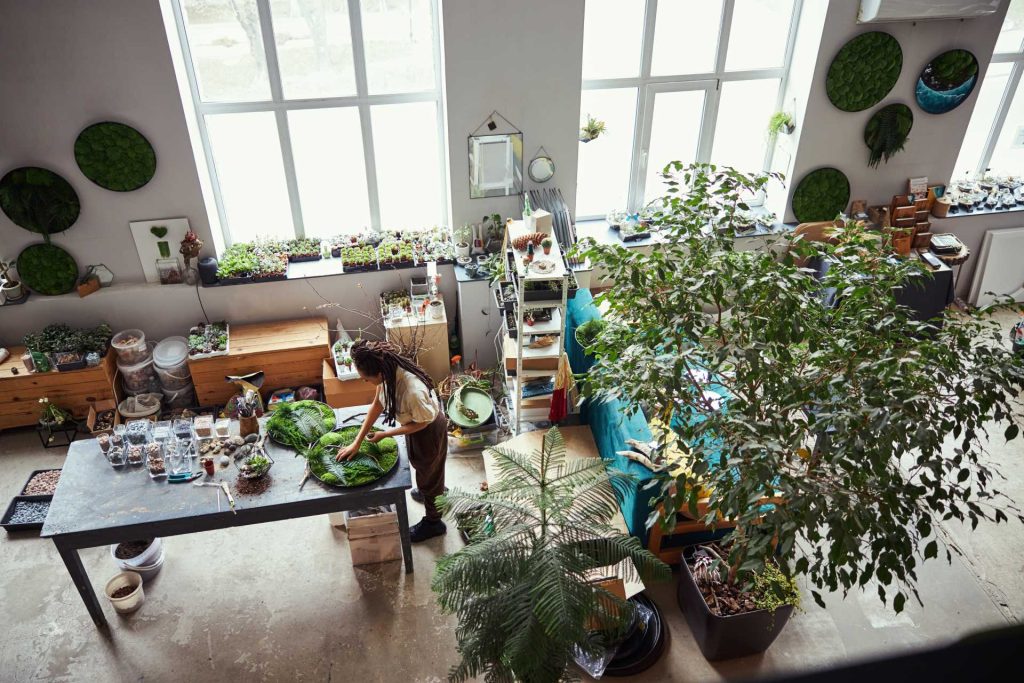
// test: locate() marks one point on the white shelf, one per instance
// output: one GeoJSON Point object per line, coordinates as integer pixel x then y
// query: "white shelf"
{"type": "Point", "coordinates": [553, 326]}
{"type": "Point", "coordinates": [516, 229]}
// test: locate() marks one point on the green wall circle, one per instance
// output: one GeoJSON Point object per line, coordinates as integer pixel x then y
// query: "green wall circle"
{"type": "Point", "coordinates": [39, 200]}
{"type": "Point", "coordinates": [47, 269]}
{"type": "Point", "coordinates": [115, 156]}
{"type": "Point", "coordinates": [821, 195]}
{"type": "Point", "coordinates": [864, 71]}
{"type": "Point", "coordinates": [886, 132]}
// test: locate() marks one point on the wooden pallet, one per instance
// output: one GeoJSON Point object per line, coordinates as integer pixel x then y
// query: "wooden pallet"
{"type": "Point", "coordinates": [290, 353]}
{"type": "Point", "coordinates": [75, 390]}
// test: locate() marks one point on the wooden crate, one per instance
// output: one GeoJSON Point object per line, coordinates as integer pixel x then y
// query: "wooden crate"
{"type": "Point", "coordinates": [75, 390]}
{"type": "Point", "coordinates": [373, 537]}
{"type": "Point", "coordinates": [99, 407]}
{"type": "Point", "coordinates": [290, 353]}
{"type": "Point", "coordinates": [342, 393]}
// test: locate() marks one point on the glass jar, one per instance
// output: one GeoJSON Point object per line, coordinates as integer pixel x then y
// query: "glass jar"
{"type": "Point", "coordinates": [115, 456]}
{"type": "Point", "coordinates": [170, 271]}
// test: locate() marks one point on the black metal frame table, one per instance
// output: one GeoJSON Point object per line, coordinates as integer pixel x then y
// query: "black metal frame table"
{"type": "Point", "coordinates": [95, 504]}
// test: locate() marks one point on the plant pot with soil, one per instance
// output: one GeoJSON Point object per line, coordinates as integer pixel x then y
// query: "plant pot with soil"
{"type": "Point", "coordinates": [727, 619]}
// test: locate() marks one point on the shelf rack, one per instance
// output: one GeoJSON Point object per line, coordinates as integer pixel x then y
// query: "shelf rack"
{"type": "Point", "coordinates": [519, 274]}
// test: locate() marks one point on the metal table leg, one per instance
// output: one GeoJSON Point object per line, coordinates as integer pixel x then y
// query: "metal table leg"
{"type": "Point", "coordinates": [73, 561]}
{"type": "Point", "coordinates": [403, 530]}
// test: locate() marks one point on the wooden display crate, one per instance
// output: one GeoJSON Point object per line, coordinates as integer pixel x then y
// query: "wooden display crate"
{"type": "Point", "coordinates": [74, 390]}
{"type": "Point", "coordinates": [342, 393]}
{"type": "Point", "coordinates": [373, 537]}
{"type": "Point", "coordinates": [290, 353]}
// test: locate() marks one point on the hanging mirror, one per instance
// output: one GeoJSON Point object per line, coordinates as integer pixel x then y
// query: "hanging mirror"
{"type": "Point", "coordinates": [495, 160]}
{"type": "Point", "coordinates": [541, 168]}
{"type": "Point", "coordinates": [946, 81]}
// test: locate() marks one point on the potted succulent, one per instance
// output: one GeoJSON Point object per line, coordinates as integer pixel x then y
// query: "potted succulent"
{"type": "Point", "coordinates": [838, 413]}
{"type": "Point", "coordinates": [519, 587]}
{"type": "Point", "coordinates": [10, 288]}
{"type": "Point", "coordinates": [591, 129]}
{"type": "Point", "coordinates": [462, 237]}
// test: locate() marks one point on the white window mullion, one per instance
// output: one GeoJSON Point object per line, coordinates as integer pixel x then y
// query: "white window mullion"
{"type": "Point", "coordinates": [644, 112]}
{"type": "Point", "coordinates": [1005, 103]}
{"type": "Point", "coordinates": [359, 62]}
{"type": "Point", "coordinates": [281, 116]}
{"type": "Point", "coordinates": [794, 27]}
{"type": "Point", "coordinates": [442, 147]}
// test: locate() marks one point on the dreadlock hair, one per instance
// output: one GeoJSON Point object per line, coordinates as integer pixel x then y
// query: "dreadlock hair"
{"type": "Point", "coordinates": [382, 358]}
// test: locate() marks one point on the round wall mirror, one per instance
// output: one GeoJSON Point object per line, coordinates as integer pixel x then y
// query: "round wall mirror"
{"type": "Point", "coordinates": [946, 81]}
{"type": "Point", "coordinates": [541, 168]}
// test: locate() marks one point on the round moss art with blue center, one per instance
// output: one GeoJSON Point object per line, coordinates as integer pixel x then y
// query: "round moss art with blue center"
{"type": "Point", "coordinates": [115, 156]}
{"type": "Point", "coordinates": [947, 81]}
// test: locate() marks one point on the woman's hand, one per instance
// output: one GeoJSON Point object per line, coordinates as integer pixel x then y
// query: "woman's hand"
{"type": "Point", "coordinates": [348, 452]}
{"type": "Point", "coordinates": [374, 437]}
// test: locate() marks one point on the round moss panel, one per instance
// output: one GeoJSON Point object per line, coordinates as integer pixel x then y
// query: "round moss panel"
{"type": "Point", "coordinates": [115, 156]}
{"type": "Point", "coordinates": [821, 195]}
{"type": "Point", "coordinates": [39, 200]}
{"type": "Point", "coordinates": [864, 71]}
{"type": "Point", "coordinates": [47, 269]}
{"type": "Point", "coordinates": [887, 131]}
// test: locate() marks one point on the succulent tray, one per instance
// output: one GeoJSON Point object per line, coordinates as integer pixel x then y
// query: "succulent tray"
{"type": "Point", "coordinates": [206, 330]}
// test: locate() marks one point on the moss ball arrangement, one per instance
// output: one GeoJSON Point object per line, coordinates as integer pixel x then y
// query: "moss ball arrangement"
{"type": "Point", "coordinates": [886, 132]}
{"type": "Point", "coordinates": [39, 200]}
{"type": "Point", "coordinates": [115, 156]}
{"type": "Point", "coordinates": [821, 195]}
{"type": "Point", "coordinates": [864, 71]}
{"type": "Point", "coordinates": [47, 269]}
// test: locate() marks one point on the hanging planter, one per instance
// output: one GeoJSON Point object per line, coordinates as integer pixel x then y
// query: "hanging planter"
{"type": "Point", "coordinates": [592, 129]}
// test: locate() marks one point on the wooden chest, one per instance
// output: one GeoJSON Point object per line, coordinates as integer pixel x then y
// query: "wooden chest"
{"type": "Point", "coordinates": [289, 352]}
{"type": "Point", "coordinates": [74, 390]}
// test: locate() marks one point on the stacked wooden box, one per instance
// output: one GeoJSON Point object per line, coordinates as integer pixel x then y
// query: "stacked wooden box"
{"type": "Point", "coordinates": [290, 353]}
{"type": "Point", "coordinates": [74, 390]}
{"type": "Point", "coordinates": [373, 535]}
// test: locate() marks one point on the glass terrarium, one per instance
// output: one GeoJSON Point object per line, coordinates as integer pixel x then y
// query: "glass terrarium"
{"type": "Point", "coordinates": [170, 271]}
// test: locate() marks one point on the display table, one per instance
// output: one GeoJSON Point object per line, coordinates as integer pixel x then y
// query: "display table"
{"type": "Point", "coordinates": [74, 390]}
{"type": "Point", "coordinates": [289, 352]}
{"type": "Point", "coordinates": [579, 443]}
{"type": "Point", "coordinates": [95, 504]}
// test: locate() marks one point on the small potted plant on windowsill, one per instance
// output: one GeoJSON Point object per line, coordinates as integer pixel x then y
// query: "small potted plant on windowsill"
{"type": "Point", "coordinates": [592, 129]}
{"type": "Point", "coordinates": [462, 239]}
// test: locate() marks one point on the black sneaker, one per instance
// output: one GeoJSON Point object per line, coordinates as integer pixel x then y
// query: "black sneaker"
{"type": "Point", "coordinates": [418, 497]}
{"type": "Point", "coordinates": [427, 528]}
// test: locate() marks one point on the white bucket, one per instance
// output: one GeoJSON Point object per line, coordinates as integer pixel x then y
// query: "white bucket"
{"type": "Point", "coordinates": [130, 602]}
{"type": "Point", "coordinates": [146, 557]}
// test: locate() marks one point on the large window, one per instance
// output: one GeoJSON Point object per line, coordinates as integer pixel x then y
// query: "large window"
{"type": "Point", "coordinates": [677, 79]}
{"type": "Point", "coordinates": [318, 117]}
{"type": "Point", "coordinates": [995, 137]}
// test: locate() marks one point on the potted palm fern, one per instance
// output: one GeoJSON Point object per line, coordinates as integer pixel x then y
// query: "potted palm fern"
{"type": "Point", "coordinates": [523, 588]}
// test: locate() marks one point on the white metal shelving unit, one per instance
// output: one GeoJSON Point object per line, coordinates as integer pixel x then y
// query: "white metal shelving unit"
{"type": "Point", "coordinates": [519, 274]}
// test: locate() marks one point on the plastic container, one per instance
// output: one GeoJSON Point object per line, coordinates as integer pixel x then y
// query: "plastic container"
{"type": "Point", "coordinates": [130, 346]}
{"type": "Point", "coordinates": [130, 602]}
{"type": "Point", "coordinates": [146, 557]}
{"type": "Point", "coordinates": [174, 379]}
{"type": "Point", "coordinates": [180, 398]}
{"type": "Point", "coordinates": [143, 405]}
{"type": "Point", "coordinates": [139, 378]}
{"type": "Point", "coordinates": [148, 572]}
{"type": "Point", "coordinates": [171, 352]}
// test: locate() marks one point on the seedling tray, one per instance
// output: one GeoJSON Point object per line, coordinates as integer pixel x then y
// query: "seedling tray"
{"type": "Point", "coordinates": [24, 526]}
{"type": "Point", "coordinates": [304, 257]}
{"type": "Point", "coordinates": [34, 473]}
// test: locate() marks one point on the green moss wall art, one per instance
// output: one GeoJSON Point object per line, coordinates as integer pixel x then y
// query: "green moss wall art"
{"type": "Point", "coordinates": [886, 132]}
{"type": "Point", "coordinates": [115, 156]}
{"type": "Point", "coordinates": [864, 71]}
{"type": "Point", "coordinates": [39, 200]}
{"type": "Point", "coordinates": [821, 195]}
{"type": "Point", "coordinates": [47, 269]}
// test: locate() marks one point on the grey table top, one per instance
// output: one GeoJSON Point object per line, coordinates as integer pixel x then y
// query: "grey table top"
{"type": "Point", "coordinates": [92, 495]}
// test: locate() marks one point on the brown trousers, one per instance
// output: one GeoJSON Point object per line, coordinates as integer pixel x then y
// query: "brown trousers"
{"type": "Point", "coordinates": [428, 452]}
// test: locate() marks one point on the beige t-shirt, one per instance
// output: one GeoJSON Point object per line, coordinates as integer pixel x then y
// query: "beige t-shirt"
{"type": "Point", "coordinates": [416, 403]}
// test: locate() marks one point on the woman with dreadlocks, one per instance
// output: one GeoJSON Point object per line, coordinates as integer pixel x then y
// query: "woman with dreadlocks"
{"type": "Point", "coordinates": [405, 394]}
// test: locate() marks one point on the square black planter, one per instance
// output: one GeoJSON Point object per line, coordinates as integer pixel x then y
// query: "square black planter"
{"type": "Point", "coordinates": [57, 436]}
{"type": "Point", "coordinates": [738, 635]}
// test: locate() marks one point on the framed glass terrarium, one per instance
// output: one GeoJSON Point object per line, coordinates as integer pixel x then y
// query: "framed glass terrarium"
{"type": "Point", "coordinates": [170, 271]}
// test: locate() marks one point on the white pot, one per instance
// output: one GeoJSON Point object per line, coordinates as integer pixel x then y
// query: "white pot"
{"type": "Point", "coordinates": [130, 602]}
{"type": "Point", "coordinates": [462, 249]}
{"type": "Point", "coordinates": [436, 310]}
{"type": "Point", "coordinates": [12, 292]}
{"type": "Point", "coordinates": [143, 559]}
{"type": "Point", "coordinates": [148, 572]}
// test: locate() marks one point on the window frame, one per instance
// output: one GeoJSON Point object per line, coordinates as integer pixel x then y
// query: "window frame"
{"type": "Point", "coordinates": [1005, 102]}
{"type": "Point", "coordinates": [648, 87]}
{"type": "Point", "coordinates": [280, 106]}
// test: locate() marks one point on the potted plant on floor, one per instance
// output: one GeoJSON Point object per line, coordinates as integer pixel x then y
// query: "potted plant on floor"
{"type": "Point", "coordinates": [521, 588]}
{"type": "Point", "coordinates": [864, 425]}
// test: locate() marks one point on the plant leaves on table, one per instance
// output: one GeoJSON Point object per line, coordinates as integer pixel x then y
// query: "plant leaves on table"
{"type": "Point", "coordinates": [373, 462]}
{"type": "Point", "coordinates": [298, 424]}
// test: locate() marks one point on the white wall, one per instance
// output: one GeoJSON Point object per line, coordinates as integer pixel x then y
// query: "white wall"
{"type": "Point", "coordinates": [523, 58]}
{"type": "Point", "coordinates": [831, 137]}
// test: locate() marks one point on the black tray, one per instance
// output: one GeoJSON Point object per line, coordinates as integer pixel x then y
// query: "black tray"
{"type": "Point", "coordinates": [34, 473]}
{"type": "Point", "coordinates": [67, 367]}
{"type": "Point", "coordinates": [305, 257]}
{"type": "Point", "coordinates": [30, 526]}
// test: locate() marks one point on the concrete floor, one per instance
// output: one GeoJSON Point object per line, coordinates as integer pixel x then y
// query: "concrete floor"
{"type": "Point", "coordinates": [283, 602]}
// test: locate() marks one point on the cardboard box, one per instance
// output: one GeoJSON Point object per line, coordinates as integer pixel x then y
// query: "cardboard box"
{"type": "Point", "coordinates": [376, 549]}
{"type": "Point", "coordinates": [342, 393]}
{"type": "Point", "coordinates": [373, 535]}
{"type": "Point", "coordinates": [97, 407]}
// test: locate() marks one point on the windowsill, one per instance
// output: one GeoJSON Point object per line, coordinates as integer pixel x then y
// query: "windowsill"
{"type": "Point", "coordinates": [980, 212]}
{"type": "Point", "coordinates": [602, 233]}
{"type": "Point", "coordinates": [325, 268]}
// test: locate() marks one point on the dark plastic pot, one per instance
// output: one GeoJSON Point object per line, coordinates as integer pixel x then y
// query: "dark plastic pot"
{"type": "Point", "coordinates": [643, 648]}
{"type": "Point", "coordinates": [208, 270]}
{"type": "Point", "coordinates": [738, 635]}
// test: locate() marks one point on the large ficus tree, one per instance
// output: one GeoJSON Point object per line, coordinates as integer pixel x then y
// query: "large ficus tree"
{"type": "Point", "coordinates": [869, 425]}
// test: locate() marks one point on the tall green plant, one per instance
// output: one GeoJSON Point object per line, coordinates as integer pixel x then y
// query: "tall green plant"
{"type": "Point", "coordinates": [899, 408]}
{"type": "Point", "coordinates": [521, 588]}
